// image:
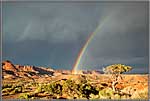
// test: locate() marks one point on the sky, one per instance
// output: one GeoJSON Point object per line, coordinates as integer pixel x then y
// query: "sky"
{"type": "Point", "coordinates": [51, 34]}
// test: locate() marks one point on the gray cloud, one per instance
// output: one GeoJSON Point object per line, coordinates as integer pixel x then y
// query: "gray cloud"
{"type": "Point", "coordinates": [124, 39]}
{"type": "Point", "coordinates": [53, 33]}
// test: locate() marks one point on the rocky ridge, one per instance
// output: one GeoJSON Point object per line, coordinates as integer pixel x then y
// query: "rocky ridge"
{"type": "Point", "coordinates": [9, 70]}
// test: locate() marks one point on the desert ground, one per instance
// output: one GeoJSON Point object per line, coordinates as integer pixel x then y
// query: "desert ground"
{"type": "Point", "coordinates": [30, 82]}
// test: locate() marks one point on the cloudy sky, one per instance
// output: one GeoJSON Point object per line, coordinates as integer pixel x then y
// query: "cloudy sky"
{"type": "Point", "coordinates": [51, 34]}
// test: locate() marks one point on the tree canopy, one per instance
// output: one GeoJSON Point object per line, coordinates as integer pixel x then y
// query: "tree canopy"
{"type": "Point", "coordinates": [116, 69]}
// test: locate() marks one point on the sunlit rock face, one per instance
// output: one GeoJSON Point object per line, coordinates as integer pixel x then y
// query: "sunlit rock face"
{"type": "Point", "coordinates": [7, 65]}
{"type": "Point", "coordinates": [12, 71]}
{"type": "Point", "coordinates": [26, 68]}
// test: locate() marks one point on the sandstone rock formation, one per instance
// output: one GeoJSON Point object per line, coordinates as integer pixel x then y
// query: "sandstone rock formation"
{"type": "Point", "coordinates": [7, 65]}
{"type": "Point", "coordinates": [12, 71]}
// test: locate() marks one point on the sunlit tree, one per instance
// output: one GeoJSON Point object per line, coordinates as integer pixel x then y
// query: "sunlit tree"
{"type": "Point", "coordinates": [116, 70]}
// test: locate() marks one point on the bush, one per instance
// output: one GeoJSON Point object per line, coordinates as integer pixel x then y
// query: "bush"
{"type": "Point", "coordinates": [106, 93]}
{"type": "Point", "coordinates": [27, 95]}
{"type": "Point", "coordinates": [24, 96]}
{"type": "Point", "coordinates": [78, 90]}
{"type": "Point", "coordinates": [12, 90]}
{"type": "Point", "coordinates": [86, 90]}
{"type": "Point", "coordinates": [71, 89]}
{"type": "Point", "coordinates": [39, 89]}
{"type": "Point", "coordinates": [6, 86]}
{"type": "Point", "coordinates": [53, 88]}
{"type": "Point", "coordinates": [5, 90]}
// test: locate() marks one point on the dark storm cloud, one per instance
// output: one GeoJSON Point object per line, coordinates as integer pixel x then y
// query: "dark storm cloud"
{"type": "Point", "coordinates": [60, 20]}
{"type": "Point", "coordinates": [124, 39]}
{"type": "Point", "coordinates": [53, 33]}
{"type": "Point", "coordinates": [40, 53]}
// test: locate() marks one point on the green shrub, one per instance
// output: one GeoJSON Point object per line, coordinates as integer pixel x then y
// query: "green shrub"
{"type": "Point", "coordinates": [53, 88]}
{"type": "Point", "coordinates": [27, 95]}
{"type": "Point", "coordinates": [6, 86]}
{"type": "Point", "coordinates": [106, 93]}
{"type": "Point", "coordinates": [80, 90]}
{"type": "Point", "coordinates": [69, 88]}
{"type": "Point", "coordinates": [5, 90]}
{"type": "Point", "coordinates": [39, 89]}
{"type": "Point", "coordinates": [18, 89]}
{"type": "Point", "coordinates": [24, 96]}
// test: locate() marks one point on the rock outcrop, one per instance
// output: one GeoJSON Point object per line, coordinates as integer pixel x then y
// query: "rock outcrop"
{"type": "Point", "coordinates": [9, 70]}
{"type": "Point", "coordinates": [7, 65]}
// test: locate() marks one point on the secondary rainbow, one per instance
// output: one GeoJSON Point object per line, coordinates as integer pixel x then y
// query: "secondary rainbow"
{"type": "Point", "coordinates": [81, 52]}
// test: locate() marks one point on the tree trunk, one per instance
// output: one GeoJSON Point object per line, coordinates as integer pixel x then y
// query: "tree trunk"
{"type": "Point", "coordinates": [114, 81]}
{"type": "Point", "coordinates": [113, 85]}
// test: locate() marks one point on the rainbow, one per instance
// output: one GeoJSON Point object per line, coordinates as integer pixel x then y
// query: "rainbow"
{"type": "Point", "coordinates": [81, 52]}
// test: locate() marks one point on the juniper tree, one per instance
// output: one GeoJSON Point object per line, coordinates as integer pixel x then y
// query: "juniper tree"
{"type": "Point", "coordinates": [116, 70]}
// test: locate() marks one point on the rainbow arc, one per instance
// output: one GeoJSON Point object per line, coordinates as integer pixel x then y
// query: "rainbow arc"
{"type": "Point", "coordinates": [83, 49]}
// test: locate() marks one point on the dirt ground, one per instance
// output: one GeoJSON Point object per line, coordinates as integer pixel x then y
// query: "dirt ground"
{"type": "Point", "coordinates": [135, 81]}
